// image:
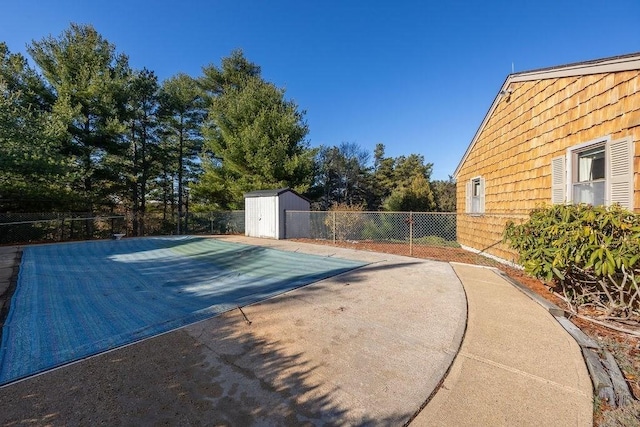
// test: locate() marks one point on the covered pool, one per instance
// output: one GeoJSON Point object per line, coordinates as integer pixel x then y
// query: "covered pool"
{"type": "Point", "coordinates": [74, 300]}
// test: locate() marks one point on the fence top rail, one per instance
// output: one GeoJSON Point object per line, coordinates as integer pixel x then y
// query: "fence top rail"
{"type": "Point", "coordinates": [414, 213]}
{"type": "Point", "coordinates": [375, 212]}
{"type": "Point", "coordinates": [213, 212]}
{"type": "Point", "coordinates": [63, 219]}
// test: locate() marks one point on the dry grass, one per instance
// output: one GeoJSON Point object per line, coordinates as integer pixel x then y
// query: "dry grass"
{"type": "Point", "coordinates": [627, 416]}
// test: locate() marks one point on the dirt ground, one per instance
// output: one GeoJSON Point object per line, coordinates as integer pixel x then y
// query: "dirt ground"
{"type": "Point", "coordinates": [625, 347]}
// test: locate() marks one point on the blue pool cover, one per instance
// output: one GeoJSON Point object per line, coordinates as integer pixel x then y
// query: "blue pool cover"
{"type": "Point", "coordinates": [74, 300]}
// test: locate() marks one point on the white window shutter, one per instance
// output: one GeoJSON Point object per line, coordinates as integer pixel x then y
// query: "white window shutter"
{"type": "Point", "coordinates": [620, 172]}
{"type": "Point", "coordinates": [558, 180]}
{"type": "Point", "coordinates": [481, 207]}
{"type": "Point", "coordinates": [467, 206]}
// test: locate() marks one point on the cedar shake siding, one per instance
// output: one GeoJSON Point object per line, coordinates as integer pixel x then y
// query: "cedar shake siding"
{"type": "Point", "coordinates": [543, 130]}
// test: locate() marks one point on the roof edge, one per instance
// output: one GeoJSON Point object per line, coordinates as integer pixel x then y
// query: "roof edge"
{"type": "Point", "coordinates": [596, 66]}
{"type": "Point", "coordinates": [481, 127]}
{"type": "Point", "coordinates": [274, 192]}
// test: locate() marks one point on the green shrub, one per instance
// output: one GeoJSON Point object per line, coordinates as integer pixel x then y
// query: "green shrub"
{"type": "Point", "coordinates": [435, 241]}
{"type": "Point", "coordinates": [590, 253]}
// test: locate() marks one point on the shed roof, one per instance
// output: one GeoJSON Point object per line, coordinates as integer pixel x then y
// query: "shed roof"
{"type": "Point", "coordinates": [272, 193]}
{"type": "Point", "coordinates": [597, 66]}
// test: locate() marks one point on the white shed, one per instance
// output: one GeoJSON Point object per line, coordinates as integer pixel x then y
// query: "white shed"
{"type": "Point", "coordinates": [264, 211]}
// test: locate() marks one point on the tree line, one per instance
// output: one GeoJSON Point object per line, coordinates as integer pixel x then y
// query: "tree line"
{"type": "Point", "coordinates": [84, 131]}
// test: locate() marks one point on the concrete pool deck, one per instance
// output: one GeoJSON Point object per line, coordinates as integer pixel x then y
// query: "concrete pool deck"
{"type": "Point", "coordinates": [366, 347]}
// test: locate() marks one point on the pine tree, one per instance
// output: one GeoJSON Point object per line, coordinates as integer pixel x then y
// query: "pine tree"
{"type": "Point", "coordinates": [88, 80]}
{"type": "Point", "coordinates": [253, 137]}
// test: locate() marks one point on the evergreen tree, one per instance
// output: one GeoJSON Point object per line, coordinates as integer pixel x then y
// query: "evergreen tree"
{"type": "Point", "coordinates": [182, 115]}
{"type": "Point", "coordinates": [383, 178]}
{"type": "Point", "coordinates": [88, 81]}
{"type": "Point", "coordinates": [415, 196]}
{"type": "Point", "coordinates": [402, 183]}
{"type": "Point", "coordinates": [142, 135]}
{"type": "Point", "coordinates": [33, 171]}
{"type": "Point", "coordinates": [343, 176]}
{"type": "Point", "coordinates": [253, 137]}
{"type": "Point", "coordinates": [445, 194]}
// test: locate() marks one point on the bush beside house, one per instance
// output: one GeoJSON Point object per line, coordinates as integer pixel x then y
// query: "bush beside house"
{"type": "Point", "coordinates": [589, 254]}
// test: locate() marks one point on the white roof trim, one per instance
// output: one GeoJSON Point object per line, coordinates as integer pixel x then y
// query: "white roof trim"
{"type": "Point", "coordinates": [620, 63]}
{"type": "Point", "coordinates": [599, 66]}
{"type": "Point", "coordinates": [482, 125]}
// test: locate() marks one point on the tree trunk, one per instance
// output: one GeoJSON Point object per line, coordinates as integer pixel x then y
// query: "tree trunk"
{"type": "Point", "coordinates": [180, 167]}
{"type": "Point", "coordinates": [144, 177]}
{"type": "Point", "coordinates": [135, 195]}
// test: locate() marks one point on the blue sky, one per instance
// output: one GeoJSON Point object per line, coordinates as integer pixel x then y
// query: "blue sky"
{"type": "Point", "coordinates": [417, 76]}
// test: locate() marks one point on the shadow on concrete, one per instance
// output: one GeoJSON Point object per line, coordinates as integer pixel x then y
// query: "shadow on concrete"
{"type": "Point", "coordinates": [225, 375]}
{"type": "Point", "coordinates": [221, 371]}
{"type": "Point", "coordinates": [105, 294]}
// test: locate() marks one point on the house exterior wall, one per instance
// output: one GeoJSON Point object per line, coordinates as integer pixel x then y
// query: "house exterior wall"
{"type": "Point", "coordinates": [536, 122]}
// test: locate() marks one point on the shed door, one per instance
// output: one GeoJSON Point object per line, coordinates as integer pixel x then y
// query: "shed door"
{"type": "Point", "coordinates": [267, 217]}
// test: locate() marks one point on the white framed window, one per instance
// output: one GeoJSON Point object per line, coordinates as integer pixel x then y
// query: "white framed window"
{"type": "Point", "coordinates": [475, 196]}
{"type": "Point", "coordinates": [588, 181]}
{"type": "Point", "coordinates": [598, 172]}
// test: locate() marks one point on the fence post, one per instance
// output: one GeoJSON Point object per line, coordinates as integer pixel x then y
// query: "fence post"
{"type": "Point", "coordinates": [334, 227]}
{"type": "Point", "coordinates": [410, 233]}
{"type": "Point", "coordinates": [61, 229]}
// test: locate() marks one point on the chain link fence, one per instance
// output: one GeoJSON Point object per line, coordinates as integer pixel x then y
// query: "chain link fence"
{"type": "Point", "coordinates": [229, 222]}
{"type": "Point", "coordinates": [473, 239]}
{"type": "Point", "coordinates": [435, 235]}
{"type": "Point", "coordinates": [23, 228]}
{"type": "Point", "coordinates": [159, 224]}
{"type": "Point", "coordinates": [56, 227]}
